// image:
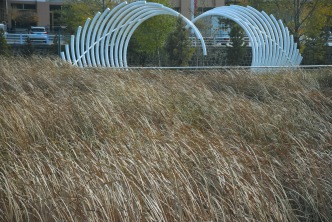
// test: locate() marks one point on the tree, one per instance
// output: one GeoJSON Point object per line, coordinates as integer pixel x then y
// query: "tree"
{"type": "Point", "coordinates": [257, 4]}
{"type": "Point", "coordinates": [314, 52]}
{"type": "Point", "coordinates": [150, 36]}
{"type": "Point", "coordinates": [309, 21]}
{"type": "Point", "coordinates": [26, 19]}
{"type": "Point", "coordinates": [303, 17]}
{"type": "Point", "coordinates": [76, 12]}
{"type": "Point", "coordinates": [178, 45]}
{"type": "Point", "coordinates": [147, 40]}
{"type": "Point", "coordinates": [4, 47]}
{"type": "Point", "coordinates": [237, 50]}
{"type": "Point", "coordinates": [137, 51]}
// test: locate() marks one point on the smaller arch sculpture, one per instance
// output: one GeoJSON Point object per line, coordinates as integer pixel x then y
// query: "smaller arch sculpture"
{"type": "Point", "coordinates": [271, 42]}
{"type": "Point", "coordinates": [103, 41]}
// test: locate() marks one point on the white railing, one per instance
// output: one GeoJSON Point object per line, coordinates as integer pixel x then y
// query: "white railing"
{"type": "Point", "coordinates": [217, 41]}
{"type": "Point", "coordinates": [22, 38]}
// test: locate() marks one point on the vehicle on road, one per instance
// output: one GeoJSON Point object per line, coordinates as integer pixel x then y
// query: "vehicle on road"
{"type": "Point", "coordinates": [4, 28]}
{"type": "Point", "coordinates": [224, 40]}
{"type": "Point", "coordinates": [38, 33]}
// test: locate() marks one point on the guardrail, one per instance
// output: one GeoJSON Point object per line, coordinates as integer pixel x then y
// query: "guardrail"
{"type": "Point", "coordinates": [49, 38]}
{"type": "Point", "coordinates": [22, 38]}
{"type": "Point", "coordinates": [225, 41]}
{"type": "Point", "coordinates": [216, 41]}
{"type": "Point", "coordinates": [256, 69]}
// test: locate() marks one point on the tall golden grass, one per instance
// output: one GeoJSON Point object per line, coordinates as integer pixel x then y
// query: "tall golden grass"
{"type": "Point", "coordinates": [150, 145]}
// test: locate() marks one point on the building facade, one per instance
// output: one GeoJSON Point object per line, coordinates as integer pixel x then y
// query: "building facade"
{"type": "Point", "coordinates": [189, 8]}
{"type": "Point", "coordinates": [42, 12]}
{"type": "Point", "coordinates": [24, 13]}
{"type": "Point", "coordinates": [3, 10]}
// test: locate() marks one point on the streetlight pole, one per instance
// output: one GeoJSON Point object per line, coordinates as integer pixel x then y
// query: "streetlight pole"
{"type": "Point", "coordinates": [59, 38]}
{"type": "Point", "coordinates": [59, 41]}
{"type": "Point", "coordinates": [192, 9]}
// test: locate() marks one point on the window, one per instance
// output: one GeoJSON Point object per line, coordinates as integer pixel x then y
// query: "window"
{"type": "Point", "coordinates": [29, 7]}
{"type": "Point", "coordinates": [55, 7]}
{"type": "Point", "coordinates": [55, 17]}
{"type": "Point", "coordinates": [24, 6]}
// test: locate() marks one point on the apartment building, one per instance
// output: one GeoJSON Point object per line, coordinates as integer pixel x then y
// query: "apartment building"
{"type": "Point", "coordinates": [35, 12]}
{"type": "Point", "coordinates": [43, 10]}
{"type": "Point", "coordinates": [189, 8]}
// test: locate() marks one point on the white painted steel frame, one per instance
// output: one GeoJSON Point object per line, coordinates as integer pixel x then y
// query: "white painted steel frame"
{"type": "Point", "coordinates": [271, 42]}
{"type": "Point", "coordinates": [103, 42]}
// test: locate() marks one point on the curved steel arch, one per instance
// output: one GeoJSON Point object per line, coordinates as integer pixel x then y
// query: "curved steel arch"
{"type": "Point", "coordinates": [103, 42]}
{"type": "Point", "coordinates": [272, 44]}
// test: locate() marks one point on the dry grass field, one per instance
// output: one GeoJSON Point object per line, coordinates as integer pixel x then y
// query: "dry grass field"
{"type": "Point", "coordinates": [151, 145]}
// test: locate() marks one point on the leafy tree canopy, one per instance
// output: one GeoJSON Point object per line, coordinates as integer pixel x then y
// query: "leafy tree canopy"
{"type": "Point", "coordinates": [151, 34]}
{"type": "Point", "coordinates": [23, 18]}
{"type": "Point", "coordinates": [304, 18]}
{"type": "Point", "coordinates": [147, 39]}
{"type": "Point", "coordinates": [178, 45]}
{"type": "Point", "coordinates": [237, 50]}
{"type": "Point", "coordinates": [76, 12]}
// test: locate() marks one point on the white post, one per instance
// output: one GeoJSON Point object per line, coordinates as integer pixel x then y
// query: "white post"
{"type": "Point", "coordinates": [192, 9]}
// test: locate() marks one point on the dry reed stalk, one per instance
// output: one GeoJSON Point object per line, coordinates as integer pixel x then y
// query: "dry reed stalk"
{"type": "Point", "coordinates": [105, 145]}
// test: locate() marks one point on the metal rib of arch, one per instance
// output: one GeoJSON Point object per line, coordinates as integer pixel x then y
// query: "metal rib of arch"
{"type": "Point", "coordinates": [103, 41]}
{"type": "Point", "coordinates": [271, 42]}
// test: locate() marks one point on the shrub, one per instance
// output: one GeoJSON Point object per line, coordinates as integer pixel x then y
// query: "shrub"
{"type": "Point", "coordinates": [4, 47]}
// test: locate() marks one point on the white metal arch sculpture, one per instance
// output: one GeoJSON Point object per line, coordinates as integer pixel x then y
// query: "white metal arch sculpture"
{"type": "Point", "coordinates": [103, 42]}
{"type": "Point", "coordinates": [272, 44]}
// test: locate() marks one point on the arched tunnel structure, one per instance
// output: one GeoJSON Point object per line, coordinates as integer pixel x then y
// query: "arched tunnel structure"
{"type": "Point", "coordinates": [271, 42]}
{"type": "Point", "coordinates": [103, 41]}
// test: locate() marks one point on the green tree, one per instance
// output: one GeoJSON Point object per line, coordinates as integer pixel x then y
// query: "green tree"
{"type": "Point", "coordinates": [147, 40]}
{"type": "Point", "coordinates": [315, 51]}
{"type": "Point", "coordinates": [76, 12]}
{"type": "Point", "coordinates": [304, 18]}
{"type": "Point", "coordinates": [4, 47]}
{"type": "Point", "coordinates": [237, 50]}
{"type": "Point", "coordinates": [178, 45]}
{"type": "Point", "coordinates": [150, 36]}
{"type": "Point", "coordinates": [136, 51]}
{"type": "Point", "coordinates": [309, 21]}
{"type": "Point", "coordinates": [25, 19]}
